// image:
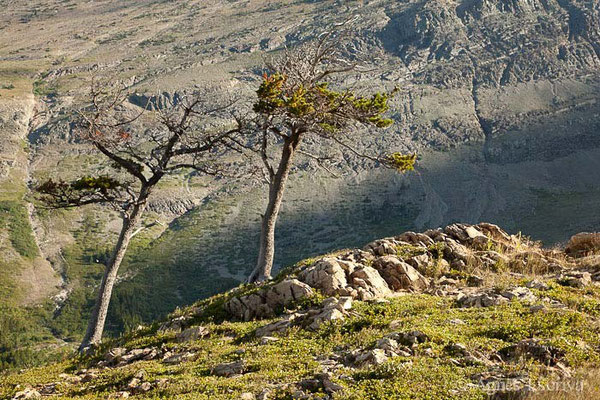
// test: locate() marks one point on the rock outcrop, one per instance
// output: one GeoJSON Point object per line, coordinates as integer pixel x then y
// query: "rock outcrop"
{"type": "Point", "coordinates": [386, 267]}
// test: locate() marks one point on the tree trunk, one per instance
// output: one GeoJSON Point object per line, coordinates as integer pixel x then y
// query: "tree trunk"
{"type": "Point", "coordinates": [266, 251]}
{"type": "Point", "coordinates": [95, 328]}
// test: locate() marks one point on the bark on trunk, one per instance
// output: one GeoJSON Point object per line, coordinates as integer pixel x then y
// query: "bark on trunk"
{"type": "Point", "coordinates": [266, 251]}
{"type": "Point", "coordinates": [95, 328]}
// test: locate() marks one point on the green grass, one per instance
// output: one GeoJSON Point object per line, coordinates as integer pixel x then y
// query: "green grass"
{"type": "Point", "coordinates": [14, 218]}
{"type": "Point", "coordinates": [293, 358]}
{"type": "Point", "coordinates": [42, 88]}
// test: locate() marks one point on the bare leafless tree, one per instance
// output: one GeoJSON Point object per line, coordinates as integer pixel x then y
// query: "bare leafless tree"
{"type": "Point", "coordinates": [142, 147]}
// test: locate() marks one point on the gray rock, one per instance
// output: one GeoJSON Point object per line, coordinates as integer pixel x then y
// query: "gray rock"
{"type": "Point", "coordinates": [537, 284]}
{"type": "Point", "coordinates": [400, 275]}
{"type": "Point", "coordinates": [371, 283]}
{"type": "Point", "coordinates": [191, 334]}
{"type": "Point", "coordinates": [229, 369]}
{"type": "Point", "coordinates": [532, 349]}
{"type": "Point", "coordinates": [327, 275]}
{"type": "Point", "coordinates": [576, 279]}
{"type": "Point", "coordinates": [369, 357]}
{"type": "Point", "coordinates": [27, 393]}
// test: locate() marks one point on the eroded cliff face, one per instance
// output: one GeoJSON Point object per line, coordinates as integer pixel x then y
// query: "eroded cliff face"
{"type": "Point", "coordinates": [27, 276]}
{"type": "Point", "coordinates": [500, 98]}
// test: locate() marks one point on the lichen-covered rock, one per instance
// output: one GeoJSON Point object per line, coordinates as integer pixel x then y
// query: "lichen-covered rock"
{"type": "Point", "coordinates": [400, 275]}
{"type": "Point", "coordinates": [369, 283]}
{"type": "Point", "coordinates": [263, 303]}
{"type": "Point", "coordinates": [286, 292]}
{"type": "Point", "coordinates": [327, 275]}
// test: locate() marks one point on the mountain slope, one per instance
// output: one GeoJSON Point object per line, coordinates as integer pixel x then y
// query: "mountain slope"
{"type": "Point", "coordinates": [500, 99]}
{"type": "Point", "coordinates": [467, 312]}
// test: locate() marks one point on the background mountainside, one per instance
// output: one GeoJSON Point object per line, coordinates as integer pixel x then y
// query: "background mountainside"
{"type": "Point", "coordinates": [500, 99]}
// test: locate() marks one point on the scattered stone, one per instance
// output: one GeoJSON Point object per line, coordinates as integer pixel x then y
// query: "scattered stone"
{"type": "Point", "coordinates": [369, 357]}
{"type": "Point", "coordinates": [48, 389]}
{"type": "Point", "coordinates": [264, 395]}
{"type": "Point", "coordinates": [576, 279]}
{"type": "Point", "coordinates": [479, 300]}
{"type": "Point", "coordinates": [583, 244]}
{"type": "Point", "coordinates": [114, 355]}
{"type": "Point", "coordinates": [537, 284]}
{"type": "Point", "coordinates": [27, 393]}
{"type": "Point", "coordinates": [489, 298]}
{"type": "Point", "coordinates": [502, 386]}
{"type": "Point", "coordinates": [143, 387]}
{"type": "Point", "coordinates": [119, 395]}
{"type": "Point", "coordinates": [519, 293]}
{"type": "Point", "coordinates": [268, 339]}
{"type": "Point", "coordinates": [277, 326]}
{"type": "Point", "coordinates": [191, 334]}
{"type": "Point", "coordinates": [532, 349]}
{"type": "Point", "coordinates": [475, 281]}
{"type": "Point", "coordinates": [411, 338]}
{"type": "Point", "coordinates": [229, 369]}
{"type": "Point", "coordinates": [138, 354]}
{"type": "Point", "coordinates": [457, 349]}
{"type": "Point", "coordinates": [247, 396]}
{"type": "Point", "coordinates": [88, 377]}
{"type": "Point", "coordinates": [177, 358]}
{"type": "Point", "coordinates": [327, 315]}
{"type": "Point", "coordinates": [176, 324]}
{"type": "Point", "coordinates": [536, 308]}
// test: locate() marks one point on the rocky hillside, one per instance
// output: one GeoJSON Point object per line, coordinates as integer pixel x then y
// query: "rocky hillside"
{"type": "Point", "coordinates": [500, 99]}
{"type": "Point", "coordinates": [464, 312]}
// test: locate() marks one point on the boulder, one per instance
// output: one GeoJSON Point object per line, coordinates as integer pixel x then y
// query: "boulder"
{"type": "Point", "coordinates": [327, 275]}
{"type": "Point", "coordinates": [583, 244]}
{"type": "Point", "coordinates": [327, 315]}
{"type": "Point", "coordinates": [371, 283]}
{"type": "Point", "coordinates": [286, 292]}
{"type": "Point", "coordinates": [494, 232]}
{"type": "Point", "coordinates": [400, 275]}
{"type": "Point", "coordinates": [420, 262]}
{"type": "Point", "coordinates": [263, 303]}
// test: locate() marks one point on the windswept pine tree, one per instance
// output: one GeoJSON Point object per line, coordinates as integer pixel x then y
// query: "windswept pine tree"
{"type": "Point", "coordinates": [297, 101]}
